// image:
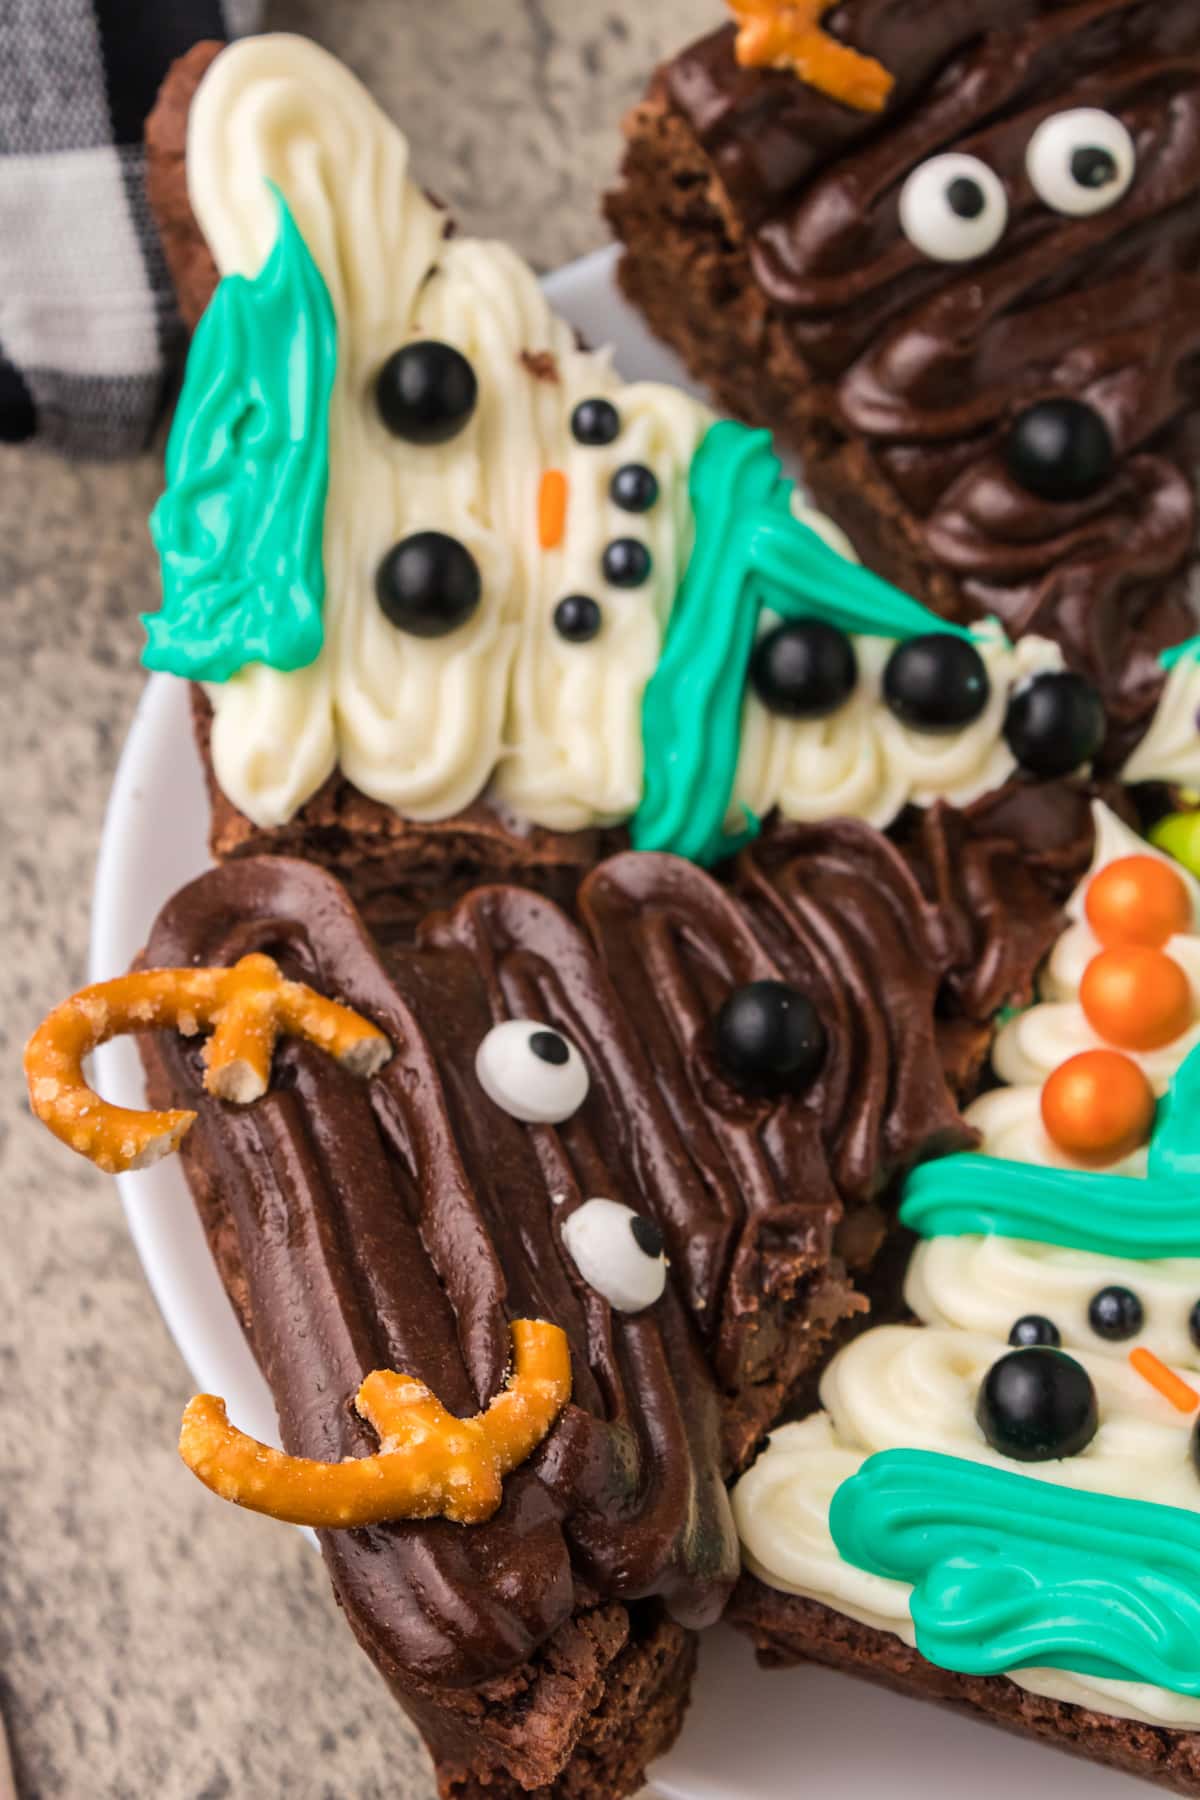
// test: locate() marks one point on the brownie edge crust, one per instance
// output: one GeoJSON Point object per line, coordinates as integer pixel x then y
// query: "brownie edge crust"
{"type": "Point", "coordinates": [787, 1629]}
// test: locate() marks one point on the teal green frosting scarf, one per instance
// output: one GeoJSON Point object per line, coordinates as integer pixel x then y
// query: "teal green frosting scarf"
{"type": "Point", "coordinates": [239, 529]}
{"type": "Point", "coordinates": [750, 552]}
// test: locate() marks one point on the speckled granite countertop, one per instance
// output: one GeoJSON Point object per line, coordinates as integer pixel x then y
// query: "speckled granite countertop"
{"type": "Point", "coordinates": [153, 1643]}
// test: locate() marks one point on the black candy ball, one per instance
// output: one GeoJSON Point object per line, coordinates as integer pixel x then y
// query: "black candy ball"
{"type": "Point", "coordinates": [804, 670]}
{"type": "Point", "coordinates": [1060, 450]}
{"type": "Point", "coordinates": [578, 618]}
{"type": "Point", "coordinates": [626, 563]}
{"type": "Point", "coordinates": [936, 682]}
{"type": "Point", "coordinates": [595, 422]}
{"type": "Point", "coordinates": [1037, 1404]}
{"type": "Point", "coordinates": [1115, 1314]}
{"type": "Point", "coordinates": [634, 488]}
{"type": "Point", "coordinates": [1032, 1328]}
{"type": "Point", "coordinates": [1055, 723]}
{"type": "Point", "coordinates": [769, 1031]}
{"type": "Point", "coordinates": [428, 584]}
{"type": "Point", "coordinates": [426, 392]}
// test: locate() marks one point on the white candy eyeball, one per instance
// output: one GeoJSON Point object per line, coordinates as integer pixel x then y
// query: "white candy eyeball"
{"type": "Point", "coordinates": [1081, 161]}
{"type": "Point", "coordinates": [618, 1252]}
{"type": "Point", "coordinates": [532, 1071]}
{"type": "Point", "coordinates": [953, 208]}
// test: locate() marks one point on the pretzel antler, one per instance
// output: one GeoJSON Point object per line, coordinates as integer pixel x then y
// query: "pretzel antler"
{"type": "Point", "coordinates": [428, 1462]}
{"type": "Point", "coordinates": [786, 34]}
{"type": "Point", "coordinates": [246, 1006]}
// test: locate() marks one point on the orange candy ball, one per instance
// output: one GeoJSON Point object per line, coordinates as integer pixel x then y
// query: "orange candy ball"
{"type": "Point", "coordinates": [1137, 900]}
{"type": "Point", "coordinates": [1098, 1106]}
{"type": "Point", "coordinates": [1135, 997]}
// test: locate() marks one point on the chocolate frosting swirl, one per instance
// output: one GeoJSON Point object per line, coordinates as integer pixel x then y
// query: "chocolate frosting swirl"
{"type": "Point", "coordinates": [929, 363]}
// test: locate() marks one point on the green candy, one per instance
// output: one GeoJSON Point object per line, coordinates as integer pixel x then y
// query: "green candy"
{"type": "Point", "coordinates": [1179, 835]}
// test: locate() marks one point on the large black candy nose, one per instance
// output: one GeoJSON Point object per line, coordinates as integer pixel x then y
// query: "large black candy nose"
{"type": "Point", "coordinates": [1060, 450]}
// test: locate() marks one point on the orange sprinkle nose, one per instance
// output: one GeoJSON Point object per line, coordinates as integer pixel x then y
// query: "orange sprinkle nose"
{"type": "Point", "coordinates": [1136, 998]}
{"type": "Point", "coordinates": [1171, 1386]}
{"type": "Point", "coordinates": [552, 509]}
{"type": "Point", "coordinates": [1137, 900]}
{"type": "Point", "coordinates": [1098, 1106]}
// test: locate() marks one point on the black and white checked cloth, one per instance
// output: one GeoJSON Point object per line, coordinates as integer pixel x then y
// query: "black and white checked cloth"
{"type": "Point", "coordinates": [89, 335]}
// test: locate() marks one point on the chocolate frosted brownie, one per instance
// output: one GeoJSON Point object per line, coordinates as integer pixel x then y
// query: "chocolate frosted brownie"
{"type": "Point", "coordinates": [971, 314]}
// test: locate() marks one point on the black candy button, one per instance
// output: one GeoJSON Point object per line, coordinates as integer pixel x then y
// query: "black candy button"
{"type": "Point", "coordinates": [595, 422]}
{"type": "Point", "coordinates": [634, 488]}
{"type": "Point", "coordinates": [769, 1031]}
{"type": "Point", "coordinates": [426, 392]}
{"type": "Point", "coordinates": [936, 683]}
{"type": "Point", "coordinates": [1055, 723]}
{"type": "Point", "coordinates": [428, 584]}
{"type": "Point", "coordinates": [1115, 1314]}
{"type": "Point", "coordinates": [578, 618]}
{"type": "Point", "coordinates": [1033, 1328]}
{"type": "Point", "coordinates": [1060, 450]}
{"type": "Point", "coordinates": [626, 563]}
{"type": "Point", "coordinates": [804, 670]}
{"type": "Point", "coordinates": [1037, 1405]}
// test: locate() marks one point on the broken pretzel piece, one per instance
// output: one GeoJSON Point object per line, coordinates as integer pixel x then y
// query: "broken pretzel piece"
{"type": "Point", "coordinates": [246, 1006]}
{"type": "Point", "coordinates": [787, 34]}
{"type": "Point", "coordinates": [428, 1462]}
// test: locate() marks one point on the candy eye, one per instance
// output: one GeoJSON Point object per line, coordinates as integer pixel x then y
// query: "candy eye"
{"type": "Point", "coordinates": [595, 422]}
{"type": "Point", "coordinates": [805, 670]}
{"type": "Point", "coordinates": [953, 208]}
{"type": "Point", "coordinates": [1037, 1405]}
{"type": "Point", "coordinates": [426, 392]}
{"type": "Point", "coordinates": [1055, 723]}
{"type": "Point", "coordinates": [936, 683]}
{"type": "Point", "coordinates": [618, 1252]}
{"type": "Point", "coordinates": [1033, 1328]}
{"type": "Point", "coordinates": [1115, 1314]}
{"type": "Point", "coordinates": [533, 1072]}
{"type": "Point", "coordinates": [1081, 162]}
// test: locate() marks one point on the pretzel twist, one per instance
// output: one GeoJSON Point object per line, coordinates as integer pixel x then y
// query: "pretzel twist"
{"type": "Point", "coordinates": [246, 1007]}
{"type": "Point", "coordinates": [786, 34]}
{"type": "Point", "coordinates": [428, 1462]}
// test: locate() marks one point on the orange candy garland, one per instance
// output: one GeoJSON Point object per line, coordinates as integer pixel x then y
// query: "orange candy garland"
{"type": "Point", "coordinates": [1137, 900]}
{"type": "Point", "coordinates": [1135, 997]}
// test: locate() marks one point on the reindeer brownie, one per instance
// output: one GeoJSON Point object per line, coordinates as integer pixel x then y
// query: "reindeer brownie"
{"type": "Point", "coordinates": [950, 255]}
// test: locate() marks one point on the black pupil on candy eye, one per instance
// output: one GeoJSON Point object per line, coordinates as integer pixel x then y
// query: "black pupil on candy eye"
{"type": "Point", "coordinates": [578, 618]}
{"type": "Point", "coordinates": [1115, 1314]}
{"type": "Point", "coordinates": [626, 563]}
{"type": "Point", "coordinates": [595, 422]}
{"type": "Point", "coordinates": [804, 670]}
{"type": "Point", "coordinates": [1032, 1328]}
{"type": "Point", "coordinates": [634, 488]}
{"type": "Point", "coordinates": [646, 1235]}
{"type": "Point", "coordinates": [1093, 167]}
{"type": "Point", "coordinates": [426, 392]}
{"type": "Point", "coordinates": [549, 1047]}
{"type": "Point", "coordinates": [936, 683]}
{"type": "Point", "coordinates": [965, 198]}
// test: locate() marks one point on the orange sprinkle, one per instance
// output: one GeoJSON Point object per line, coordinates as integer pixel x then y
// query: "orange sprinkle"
{"type": "Point", "coordinates": [1171, 1386]}
{"type": "Point", "coordinates": [786, 34]}
{"type": "Point", "coordinates": [552, 509]}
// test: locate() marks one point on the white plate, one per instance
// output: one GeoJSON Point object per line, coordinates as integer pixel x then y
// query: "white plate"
{"type": "Point", "coordinates": [749, 1736]}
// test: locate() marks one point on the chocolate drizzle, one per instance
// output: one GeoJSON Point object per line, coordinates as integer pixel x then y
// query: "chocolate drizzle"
{"type": "Point", "coordinates": [928, 364]}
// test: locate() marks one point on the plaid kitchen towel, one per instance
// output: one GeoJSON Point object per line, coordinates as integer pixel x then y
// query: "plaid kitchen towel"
{"type": "Point", "coordinates": [88, 329]}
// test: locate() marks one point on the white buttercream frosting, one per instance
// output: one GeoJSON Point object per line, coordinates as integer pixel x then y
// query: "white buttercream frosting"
{"type": "Point", "coordinates": [1170, 750]}
{"type": "Point", "coordinates": [1033, 1044]}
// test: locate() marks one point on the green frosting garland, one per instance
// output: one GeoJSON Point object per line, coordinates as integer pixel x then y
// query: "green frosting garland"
{"type": "Point", "coordinates": [1009, 1572]}
{"type": "Point", "coordinates": [1178, 652]}
{"type": "Point", "coordinates": [240, 526]}
{"type": "Point", "coordinates": [1110, 1215]}
{"type": "Point", "coordinates": [750, 552]}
